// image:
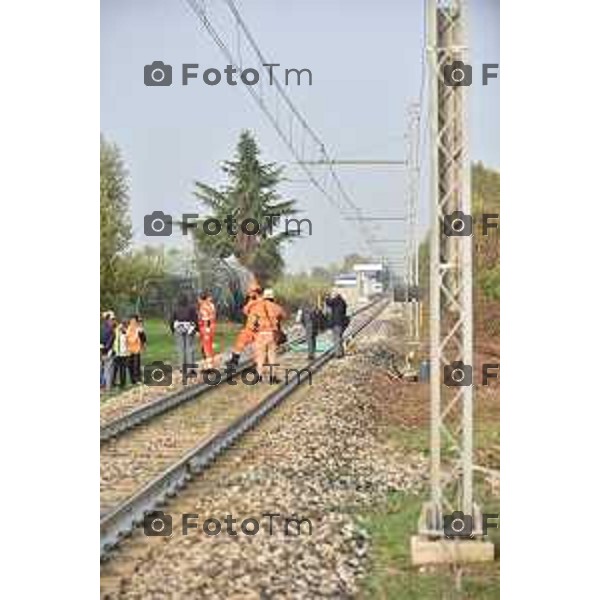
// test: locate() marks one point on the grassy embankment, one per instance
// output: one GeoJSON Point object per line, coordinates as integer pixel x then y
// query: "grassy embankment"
{"type": "Point", "coordinates": [392, 576]}
{"type": "Point", "coordinates": [407, 427]}
{"type": "Point", "coordinates": [161, 345]}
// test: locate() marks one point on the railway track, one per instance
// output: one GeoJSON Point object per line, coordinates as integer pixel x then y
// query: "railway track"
{"type": "Point", "coordinates": [110, 429]}
{"type": "Point", "coordinates": [156, 459]}
{"type": "Point", "coordinates": [135, 456]}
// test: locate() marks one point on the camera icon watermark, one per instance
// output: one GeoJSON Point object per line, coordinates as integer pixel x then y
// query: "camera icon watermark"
{"type": "Point", "coordinates": [458, 73]}
{"type": "Point", "coordinates": [458, 374]}
{"type": "Point", "coordinates": [460, 224]}
{"type": "Point", "coordinates": [158, 524]}
{"type": "Point", "coordinates": [158, 374]}
{"type": "Point", "coordinates": [458, 525]}
{"type": "Point", "coordinates": [158, 224]}
{"type": "Point", "coordinates": [158, 74]}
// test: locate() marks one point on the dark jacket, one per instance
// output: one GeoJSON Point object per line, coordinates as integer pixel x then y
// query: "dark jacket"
{"type": "Point", "coordinates": [185, 313]}
{"type": "Point", "coordinates": [312, 318]}
{"type": "Point", "coordinates": [308, 316]}
{"type": "Point", "coordinates": [337, 306]}
{"type": "Point", "coordinates": [107, 338]}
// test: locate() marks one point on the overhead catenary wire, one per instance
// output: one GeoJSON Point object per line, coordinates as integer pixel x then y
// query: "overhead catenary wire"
{"type": "Point", "coordinates": [287, 137]}
{"type": "Point", "coordinates": [290, 104]}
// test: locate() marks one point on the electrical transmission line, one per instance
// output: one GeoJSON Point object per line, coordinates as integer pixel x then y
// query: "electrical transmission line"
{"type": "Point", "coordinates": [299, 137]}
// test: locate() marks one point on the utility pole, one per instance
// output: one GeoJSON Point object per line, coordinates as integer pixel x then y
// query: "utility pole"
{"type": "Point", "coordinates": [451, 304]}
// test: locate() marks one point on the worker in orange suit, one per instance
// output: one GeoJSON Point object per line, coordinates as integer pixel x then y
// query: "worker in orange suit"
{"type": "Point", "coordinates": [207, 324]}
{"type": "Point", "coordinates": [267, 315]}
{"type": "Point", "coordinates": [246, 336]}
{"type": "Point", "coordinates": [135, 339]}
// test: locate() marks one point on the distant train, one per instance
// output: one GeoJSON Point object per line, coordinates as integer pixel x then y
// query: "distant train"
{"type": "Point", "coordinates": [367, 279]}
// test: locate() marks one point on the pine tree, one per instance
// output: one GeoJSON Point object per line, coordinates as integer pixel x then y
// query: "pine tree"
{"type": "Point", "coordinates": [251, 193]}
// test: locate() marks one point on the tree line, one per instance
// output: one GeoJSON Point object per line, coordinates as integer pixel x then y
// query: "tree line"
{"type": "Point", "coordinates": [251, 192]}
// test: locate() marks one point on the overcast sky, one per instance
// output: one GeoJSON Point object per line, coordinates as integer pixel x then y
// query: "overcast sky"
{"type": "Point", "coordinates": [365, 59]}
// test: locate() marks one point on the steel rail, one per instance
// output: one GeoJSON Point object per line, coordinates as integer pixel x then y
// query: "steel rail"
{"type": "Point", "coordinates": [152, 409]}
{"type": "Point", "coordinates": [123, 519]}
{"type": "Point", "coordinates": [146, 412]}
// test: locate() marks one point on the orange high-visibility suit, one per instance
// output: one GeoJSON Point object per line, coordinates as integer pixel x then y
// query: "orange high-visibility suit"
{"type": "Point", "coordinates": [134, 349]}
{"type": "Point", "coordinates": [246, 336]}
{"type": "Point", "coordinates": [207, 324]}
{"type": "Point", "coordinates": [132, 335]}
{"type": "Point", "coordinates": [268, 315]}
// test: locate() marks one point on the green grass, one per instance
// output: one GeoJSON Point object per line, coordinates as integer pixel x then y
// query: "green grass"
{"type": "Point", "coordinates": [391, 576]}
{"type": "Point", "coordinates": [489, 282]}
{"type": "Point", "coordinates": [414, 439]}
{"type": "Point", "coordinates": [160, 341]}
{"type": "Point", "coordinates": [161, 344]}
{"type": "Point", "coordinates": [486, 435]}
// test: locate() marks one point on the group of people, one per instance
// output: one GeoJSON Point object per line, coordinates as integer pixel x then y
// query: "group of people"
{"type": "Point", "coordinates": [122, 343]}
{"type": "Point", "coordinates": [262, 329]}
{"type": "Point", "coordinates": [121, 347]}
{"type": "Point", "coordinates": [314, 320]}
{"type": "Point", "coordinates": [190, 318]}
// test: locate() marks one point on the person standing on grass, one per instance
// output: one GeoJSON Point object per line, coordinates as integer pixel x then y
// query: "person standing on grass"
{"type": "Point", "coordinates": [207, 324]}
{"type": "Point", "coordinates": [184, 323]}
{"type": "Point", "coordinates": [107, 351]}
{"type": "Point", "coordinates": [133, 335]}
{"type": "Point", "coordinates": [338, 320]}
{"type": "Point", "coordinates": [121, 355]}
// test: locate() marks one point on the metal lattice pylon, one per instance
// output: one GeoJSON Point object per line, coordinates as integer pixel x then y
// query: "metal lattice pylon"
{"type": "Point", "coordinates": [451, 303]}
